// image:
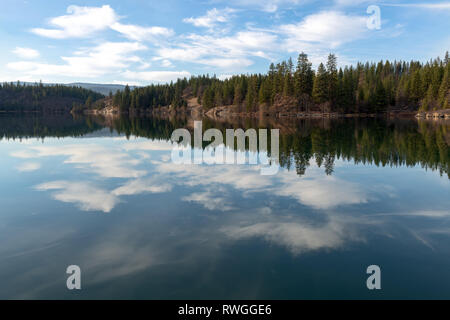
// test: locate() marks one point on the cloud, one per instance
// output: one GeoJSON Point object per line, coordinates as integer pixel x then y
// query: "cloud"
{"type": "Point", "coordinates": [149, 145]}
{"type": "Point", "coordinates": [86, 196]}
{"type": "Point", "coordinates": [225, 63]}
{"type": "Point", "coordinates": [28, 167]}
{"type": "Point", "coordinates": [227, 52]}
{"type": "Point", "coordinates": [296, 236]}
{"type": "Point", "coordinates": [129, 83]}
{"type": "Point", "coordinates": [269, 6]}
{"type": "Point", "coordinates": [211, 18]}
{"type": "Point", "coordinates": [240, 177]}
{"type": "Point", "coordinates": [138, 33]}
{"type": "Point", "coordinates": [433, 6]}
{"type": "Point", "coordinates": [317, 191]}
{"type": "Point", "coordinates": [422, 213]}
{"type": "Point", "coordinates": [351, 2]}
{"type": "Point", "coordinates": [119, 255]}
{"type": "Point", "coordinates": [209, 200]}
{"type": "Point", "coordinates": [328, 29]}
{"type": "Point", "coordinates": [26, 53]}
{"type": "Point", "coordinates": [166, 63]}
{"type": "Point", "coordinates": [82, 22]}
{"type": "Point", "coordinates": [105, 58]}
{"type": "Point", "coordinates": [139, 186]}
{"type": "Point", "coordinates": [322, 192]}
{"type": "Point", "coordinates": [79, 22]}
{"type": "Point", "coordinates": [91, 157]}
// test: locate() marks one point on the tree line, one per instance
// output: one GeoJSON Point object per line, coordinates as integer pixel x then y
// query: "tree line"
{"type": "Point", "coordinates": [37, 97]}
{"type": "Point", "coordinates": [365, 87]}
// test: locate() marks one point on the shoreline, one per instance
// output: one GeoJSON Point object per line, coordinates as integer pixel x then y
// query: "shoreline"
{"type": "Point", "coordinates": [226, 112]}
{"type": "Point", "coordinates": [221, 113]}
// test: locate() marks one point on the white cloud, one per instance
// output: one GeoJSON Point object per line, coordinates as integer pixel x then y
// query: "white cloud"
{"type": "Point", "coordinates": [91, 157]}
{"type": "Point", "coordinates": [119, 254]}
{"type": "Point", "coordinates": [26, 53]}
{"type": "Point", "coordinates": [86, 196]}
{"type": "Point", "coordinates": [209, 200]}
{"type": "Point", "coordinates": [297, 237]}
{"type": "Point", "coordinates": [139, 186]}
{"type": "Point", "coordinates": [28, 167]}
{"type": "Point", "coordinates": [82, 22]}
{"type": "Point", "coordinates": [211, 18]}
{"type": "Point", "coordinates": [225, 63]}
{"type": "Point", "coordinates": [105, 58]}
{"type": "Point", "coordinates": [323, 192]}
{"type": "Point", "coordinates": [316, 190]}
{"type": "Point", "coordinates": [328, 29]}
{"type": "Point", "coordinates": [138, 33]}
{"type": "Point", "coordinates": [227, 52]}
{"type": "Point", "coordinates": [130, 83]}
{"type": "Point", "coordinates": [79, 22]}
{"type": "Point", "coordinates": [166, 63]}
{"type": "Point", "coordinates": [148, 145]}
{"type": "Point", "coordinates": [269, 6]}
{"type": "Point", "coordinates": [433, 6]}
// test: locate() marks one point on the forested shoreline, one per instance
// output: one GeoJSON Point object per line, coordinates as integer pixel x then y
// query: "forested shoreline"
{"type": "Point", "coordinates": [366, 87]}
{"type": "Point", "coordinates": [287, 87]}
{"type": "Point", "coordinates": [21, 97]}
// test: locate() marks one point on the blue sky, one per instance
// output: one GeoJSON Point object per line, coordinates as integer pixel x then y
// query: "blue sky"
{"type": "Point", "coordinates": [141, 42]}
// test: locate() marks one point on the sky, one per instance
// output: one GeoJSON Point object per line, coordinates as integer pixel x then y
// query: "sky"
{"type": "Point", "coordinates": [139, 42]}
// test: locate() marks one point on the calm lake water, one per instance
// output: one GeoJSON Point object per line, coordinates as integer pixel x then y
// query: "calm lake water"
{"type": "Point", "coordinates": [104, 195]}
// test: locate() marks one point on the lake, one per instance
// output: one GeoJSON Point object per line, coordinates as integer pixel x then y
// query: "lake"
{"type": "Point", "coordinates": [103, 194]}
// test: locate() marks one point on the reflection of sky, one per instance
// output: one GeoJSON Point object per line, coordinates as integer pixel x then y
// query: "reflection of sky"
{"type": "Point", "coordinates": [163, 217]}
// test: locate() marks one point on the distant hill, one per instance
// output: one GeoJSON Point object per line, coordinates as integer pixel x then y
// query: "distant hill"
{"type": "Point", "coordinates": [20, 97]}
{"type": "Point", "coordinates": [99, 87]}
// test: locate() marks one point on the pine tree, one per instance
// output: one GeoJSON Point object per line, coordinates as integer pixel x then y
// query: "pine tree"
{"type": "Point", "coordinates": [444, 89]}
{"type": "Point", "coordinates": [320, 90]}
{"type": "Point", "coordinates": [251, 98]}
{"type": "Point", "coordinates": [304, 76]}
{"type": "Point", "coordinates": [208, 99]}
{"type": "Point", "coordinates": [332, 79]}
{"type": "Point", "coordinates": [379, 100]}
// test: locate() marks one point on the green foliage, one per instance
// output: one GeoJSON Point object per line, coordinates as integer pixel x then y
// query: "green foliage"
{"type": "Point", "coordinates": [369, 87]}
{"type": "Point", "coordinates": [320, 89]}
{"type": "Point", "coordinates": [40, 97]}
{"type": "Point", "coordinates": [304, 76]}
{"type": "Point", "coordinates": [208, 98]}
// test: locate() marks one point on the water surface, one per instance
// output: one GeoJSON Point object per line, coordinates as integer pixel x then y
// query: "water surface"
{"type": "Point", "coordinates": [103, 194]}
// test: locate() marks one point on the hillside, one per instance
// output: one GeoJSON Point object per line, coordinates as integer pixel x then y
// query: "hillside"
{"type": "Point", "coordinates": [17, 97]}
{"type": "Point", "coordinates": [104, 89]}
{"type": "Point", "coordinates": [367, 88]}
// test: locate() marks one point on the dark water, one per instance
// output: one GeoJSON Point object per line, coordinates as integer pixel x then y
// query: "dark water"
{"type": "Point", "coordinates": [104, 195]}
